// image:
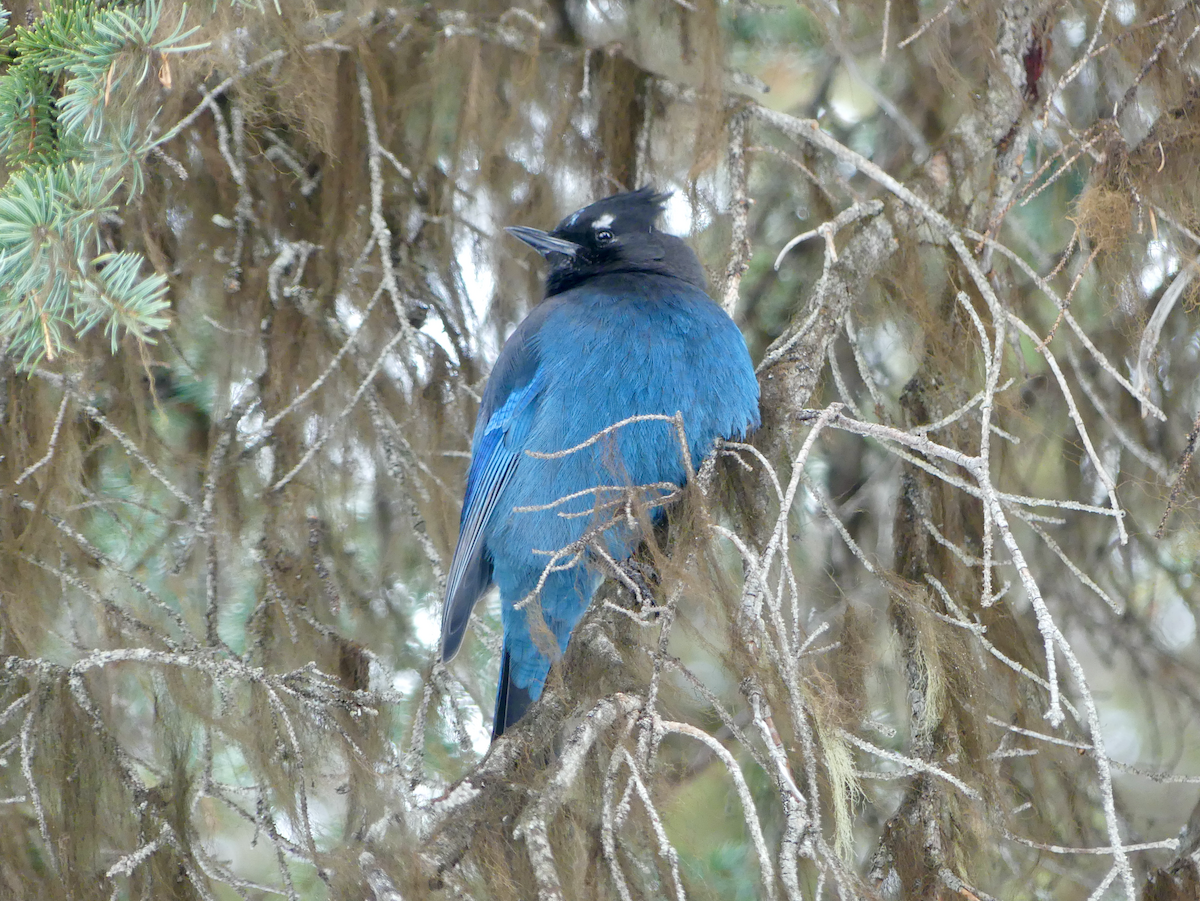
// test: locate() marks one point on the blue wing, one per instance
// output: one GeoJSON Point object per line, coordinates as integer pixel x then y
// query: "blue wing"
{"type": "Point", "coordinates": [505, 414]}
{"type": "Point", "coordinates": [495, 456]}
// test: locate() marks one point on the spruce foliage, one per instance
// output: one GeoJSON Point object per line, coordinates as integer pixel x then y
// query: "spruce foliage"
{"type": "Point", "coordinates": [75, 136]}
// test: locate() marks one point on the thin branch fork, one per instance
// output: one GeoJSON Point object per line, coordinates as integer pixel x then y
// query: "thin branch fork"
{"type": "Point", "coordinates": [827, 230]}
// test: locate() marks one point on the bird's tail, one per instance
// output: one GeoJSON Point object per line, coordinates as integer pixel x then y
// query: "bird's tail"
{"type": "Point", "coordinates": [511, 701]}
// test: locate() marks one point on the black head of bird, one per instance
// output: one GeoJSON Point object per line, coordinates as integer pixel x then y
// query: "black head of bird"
{"type": "Point", "coordinates": [614, 235]}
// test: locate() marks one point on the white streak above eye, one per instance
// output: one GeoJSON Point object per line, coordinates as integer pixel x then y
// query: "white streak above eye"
{"type": "Point", "coordinates": [604, 221]}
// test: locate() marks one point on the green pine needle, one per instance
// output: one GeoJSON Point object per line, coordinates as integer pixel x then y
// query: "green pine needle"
{"type": "Point", "coordinates": [74, 135]}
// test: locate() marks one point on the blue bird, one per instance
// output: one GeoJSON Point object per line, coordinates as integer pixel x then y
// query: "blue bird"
{"type": "Point", "coordinates": [626, 329]}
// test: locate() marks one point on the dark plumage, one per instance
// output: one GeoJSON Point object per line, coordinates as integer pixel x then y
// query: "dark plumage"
{"type": "Point", "coordinates": [626, 329]}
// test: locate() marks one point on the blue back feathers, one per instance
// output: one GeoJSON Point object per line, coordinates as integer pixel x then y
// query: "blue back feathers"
{"type": "Point", "coordinates": [627, 329]}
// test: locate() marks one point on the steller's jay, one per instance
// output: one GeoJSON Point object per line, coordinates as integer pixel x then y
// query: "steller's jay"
{"type": "Point", "coordinates": [626, 329]}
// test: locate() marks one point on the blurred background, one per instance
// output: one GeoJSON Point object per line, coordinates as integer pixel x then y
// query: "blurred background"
{"type": "Point", "coordinates": [254, 277]}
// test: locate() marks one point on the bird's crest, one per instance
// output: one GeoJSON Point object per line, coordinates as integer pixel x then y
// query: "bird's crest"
{"type": "Point", "coordinates": [612, 236]}
{"type": "Point", "coordinates": [628, 213]}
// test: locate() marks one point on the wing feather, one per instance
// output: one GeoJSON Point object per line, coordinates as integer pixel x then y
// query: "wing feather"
{"type": "Point", "coordinates": [495, 457]}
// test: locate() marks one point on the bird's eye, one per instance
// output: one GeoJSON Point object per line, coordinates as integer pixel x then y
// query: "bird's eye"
{"type": "Point", "coordinates": [604, 236]}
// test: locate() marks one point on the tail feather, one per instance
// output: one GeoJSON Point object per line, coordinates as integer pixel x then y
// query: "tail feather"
{"type": "Point", "coordinates": [511, 702]}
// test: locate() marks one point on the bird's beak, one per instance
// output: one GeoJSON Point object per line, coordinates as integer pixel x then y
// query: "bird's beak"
{"type": "Point", "coordinates": [543, 243]}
